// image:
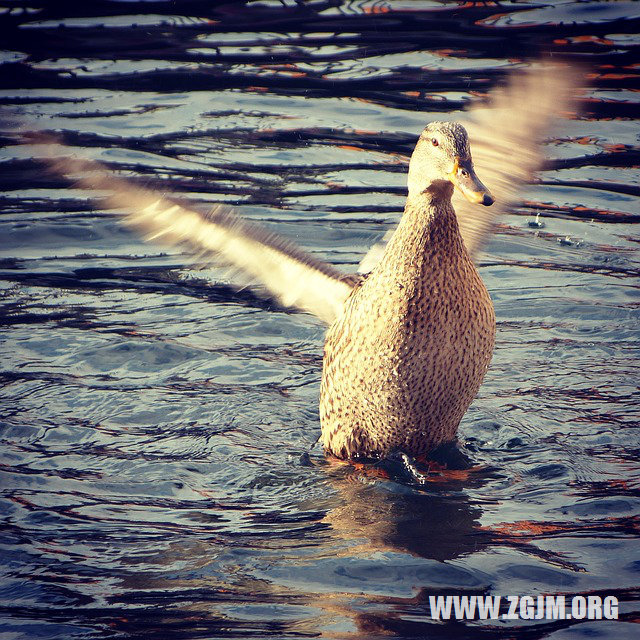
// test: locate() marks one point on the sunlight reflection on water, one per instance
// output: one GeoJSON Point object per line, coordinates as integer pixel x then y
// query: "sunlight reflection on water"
{"type": "Point", "coordinates": [154, 428]}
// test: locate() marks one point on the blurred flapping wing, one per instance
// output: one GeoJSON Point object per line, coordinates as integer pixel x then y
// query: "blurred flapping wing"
{"type": "Point", "coordinates": [506, 137]}
{"type": "Point", "coordinates": [295, 278]}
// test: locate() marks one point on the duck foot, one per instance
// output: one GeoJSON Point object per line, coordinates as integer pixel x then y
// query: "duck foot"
{"type": "Point", "coordinates": [420, 471]}
{"type": "Point", "coordinates": [404, 467]}
{"type": "Point", "coordinates": [450, 456]}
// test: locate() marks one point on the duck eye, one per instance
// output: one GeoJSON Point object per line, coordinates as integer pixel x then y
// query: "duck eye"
{"type": "Point", "coordinates": [434, 142]}
{"type": "Point", "coordinates": [464, 172]}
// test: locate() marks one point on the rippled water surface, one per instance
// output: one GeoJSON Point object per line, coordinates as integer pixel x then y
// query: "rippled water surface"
{"type": "Point", "coordinates": [155, 421]}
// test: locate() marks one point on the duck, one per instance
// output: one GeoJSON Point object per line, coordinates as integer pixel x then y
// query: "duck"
{"type": "Point", "coordinates": [410, 336]}
{"type": "Point", "coordinates": [418, 332]}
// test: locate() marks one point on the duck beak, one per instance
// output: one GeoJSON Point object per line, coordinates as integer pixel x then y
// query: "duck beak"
{"type": "Point", "coordinates": [464, 177]}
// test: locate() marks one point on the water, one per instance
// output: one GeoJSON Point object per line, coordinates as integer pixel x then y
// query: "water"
{"type": "Point", "coordinates": [154, 420]}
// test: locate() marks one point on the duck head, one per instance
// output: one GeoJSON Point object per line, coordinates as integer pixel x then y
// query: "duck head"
{"type": "Point", "coordinates": [442, 157]}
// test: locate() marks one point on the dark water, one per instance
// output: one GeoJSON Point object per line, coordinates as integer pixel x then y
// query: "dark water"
{"type": "Point", "coordinates": [153, 421]}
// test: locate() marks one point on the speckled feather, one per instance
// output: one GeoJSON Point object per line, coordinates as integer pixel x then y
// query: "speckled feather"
{"type": "Point", "coordinates": [406, 358]}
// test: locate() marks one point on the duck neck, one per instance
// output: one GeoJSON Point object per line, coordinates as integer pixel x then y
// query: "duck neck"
{"type": "Point", "coordinates": [428, 234]}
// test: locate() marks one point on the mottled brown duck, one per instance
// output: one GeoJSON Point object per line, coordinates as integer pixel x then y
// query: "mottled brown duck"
{"type": "Point", "coordinates": [410, 341]}
{"type": "Point", "coordinates": [406, 357]}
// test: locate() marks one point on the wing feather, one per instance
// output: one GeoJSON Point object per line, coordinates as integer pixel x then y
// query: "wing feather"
{"type": "Point", "coordinates": [294, 277]}
{"type": "Point", "coordinates": [506, 136]}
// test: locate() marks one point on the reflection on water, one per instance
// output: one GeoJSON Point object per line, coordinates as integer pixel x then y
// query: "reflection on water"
{"type": "Point", "coordinates": [154, 420]}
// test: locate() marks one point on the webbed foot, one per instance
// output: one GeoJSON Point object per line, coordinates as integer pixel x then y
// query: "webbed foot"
{"type": "Point", "coordinates": [449, 455]}
{"type": "Point", "coordinates": [404, 467]}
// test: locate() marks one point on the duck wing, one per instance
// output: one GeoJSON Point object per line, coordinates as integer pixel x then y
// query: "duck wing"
{"type": "Point", "coordinates": [506, 135]}
{"type": "Point", "coordinates": [295, 278]}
